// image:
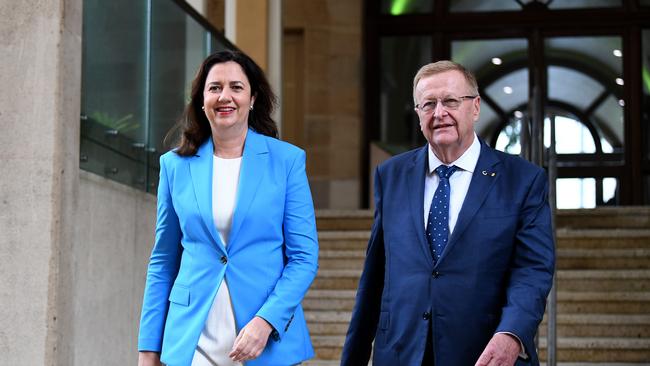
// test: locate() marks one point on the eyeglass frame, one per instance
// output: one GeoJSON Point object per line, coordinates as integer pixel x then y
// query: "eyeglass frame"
{"type": "Point", "coordinates": [435, 103]}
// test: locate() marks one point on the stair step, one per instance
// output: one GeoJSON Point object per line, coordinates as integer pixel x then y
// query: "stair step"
{"type": "Point", "coordinates": [605, 302]}
{"type": "Point", "coordinates": [590, 258]}
{"type": "Point", "coordinates": [596, 349]}
{"type": "Point", "coordinates": [605, 217]}
{"type": "Point", "coordinates": [344, 219]}
{"type": "Point", "coordinates": [603, 238]}
{"type": "Point", "coordinates": [568, 280]}
{"type": "Point", "coordinates": [603, 280]}
{"type": "Point", "coordinates": [633, 258]}
{"type": "Point", "coordinates": [592, 349]}
{"type": "Point", "coordinates": [600, 325]}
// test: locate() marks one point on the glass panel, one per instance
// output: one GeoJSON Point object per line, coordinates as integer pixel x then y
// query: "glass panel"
{"type": "Point", "coordinates": [401, 7]}
{"type": "Point", "coordinates": [586, 192]}
{"type": "Point", "coordinates": [483, 5]}
{"type": "Point", "coordinates": [572, 137]}
{"type": "Point", "coordinates": [178, 45]}
{"type": "Point", "coordinates": [509, 138]}
{"type": "Point", "coordinates": [563, 81]}
{"type": "Point", "coordinates": [135, 82]}
{"type": "Point", "coordinates": [645, 2]}
{"type": "Point", "coordinates": [576, 193]}
{"type": "Point", "coordinates": [216, 45]}
{"type": "Point", "coordinates": [585, 82]}
{"type": "Point", "coordinates": [401, 57]}
{"type": "Point", "coordinates": [510, 92]}
{"type": "Point", "coordinates": [497, 64]}
{"type": "Point", "coordinates": [645, 75]}
{"type": "Point", "coordinates": [113, 106]}
{"type": "Point", "coordinates": [646, 190]}
{"type": "Point", "coordinates": [582, 4]}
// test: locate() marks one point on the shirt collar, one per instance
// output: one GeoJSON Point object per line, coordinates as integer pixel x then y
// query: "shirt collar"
{"type": "Point", "coordinates": [467, 161]}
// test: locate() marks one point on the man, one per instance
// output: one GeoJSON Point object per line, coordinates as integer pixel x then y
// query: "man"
{"type": "Point", "coordinates": [460, 259]}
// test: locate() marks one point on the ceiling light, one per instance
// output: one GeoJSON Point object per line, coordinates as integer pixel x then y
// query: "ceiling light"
{"type": "Point", "coordinates": [519, 114]}
{"type": "Point", "coordinates": [496, 61]}
{"type": "Point", "coordinates": [507, 90]}
{"type": "Point", "coordinates": [621, 102]}
{"type": "Point", "coordinates": [619, 81]}
{"type": "Point", "coordinates": [617, 53]}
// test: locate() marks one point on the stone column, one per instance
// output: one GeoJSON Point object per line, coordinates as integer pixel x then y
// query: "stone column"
{"type": "Point", "coordinates": [40, 54]}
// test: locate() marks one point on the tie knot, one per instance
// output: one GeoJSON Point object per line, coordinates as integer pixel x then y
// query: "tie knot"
{"type": "Point", "coordinates": [445, 171]}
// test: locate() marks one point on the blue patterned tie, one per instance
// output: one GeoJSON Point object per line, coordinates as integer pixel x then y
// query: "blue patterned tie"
{"type": "Point", "coordinates": [438, 225]}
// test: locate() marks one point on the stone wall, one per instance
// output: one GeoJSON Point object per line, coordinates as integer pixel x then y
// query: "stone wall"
{"type": "Point", "coordinates": [330, 32]}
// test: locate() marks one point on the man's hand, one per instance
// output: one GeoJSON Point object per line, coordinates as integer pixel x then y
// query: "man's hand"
{"type": "Point", "coordinates": [149, 359]}
{"type": "Point", "coordinates": [502, 350]}
{"type": "Point", "coordinates": [251, 340]}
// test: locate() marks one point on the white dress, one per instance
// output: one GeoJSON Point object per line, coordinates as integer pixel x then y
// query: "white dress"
{"type": "Point", "coordinates": [219, 332]}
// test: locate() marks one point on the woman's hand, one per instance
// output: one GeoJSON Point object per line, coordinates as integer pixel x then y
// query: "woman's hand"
{"type": "Point", "coordinates": [149, 359]}
{"type": "Point", "coordinates": [251, 340]}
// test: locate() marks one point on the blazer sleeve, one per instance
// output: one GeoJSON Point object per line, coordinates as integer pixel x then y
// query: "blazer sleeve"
{"type": "Point", "coordinates": [301, 251]}
{"type": "Point", "coordinates": [163, 268]}
{"type": "Point", "coordinates": [365, 316]}
{"type": "Point", "coordinates": [532, 267]}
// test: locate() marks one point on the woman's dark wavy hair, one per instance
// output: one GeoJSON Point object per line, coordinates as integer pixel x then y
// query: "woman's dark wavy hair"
{"type": "Point", "coordinates": [194, 126]}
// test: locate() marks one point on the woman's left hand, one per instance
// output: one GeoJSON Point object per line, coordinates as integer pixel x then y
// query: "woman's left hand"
{"type": "Point", "coordinates": [251, 340]}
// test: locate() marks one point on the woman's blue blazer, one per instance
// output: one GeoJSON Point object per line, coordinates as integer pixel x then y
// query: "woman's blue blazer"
{"type": "Point", "coordinates": [269, 263]}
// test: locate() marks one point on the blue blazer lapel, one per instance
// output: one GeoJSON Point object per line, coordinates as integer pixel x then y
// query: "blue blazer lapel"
{"type": "Point", "coordinates": [415, 187]}
{"type": "Point", "coordinates": [481, 184]}
{"type": "Point", "coordinates": [201, 175]}
{"type": "Point", "coordinates": [255, 163]}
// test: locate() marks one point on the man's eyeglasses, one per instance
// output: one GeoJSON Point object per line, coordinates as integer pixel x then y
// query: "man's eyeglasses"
{"type": "Point", "coordinates": [449, 103]}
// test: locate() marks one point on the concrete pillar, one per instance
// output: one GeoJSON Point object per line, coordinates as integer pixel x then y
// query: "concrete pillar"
{"type": "Point", "coordinates": [40, 54]}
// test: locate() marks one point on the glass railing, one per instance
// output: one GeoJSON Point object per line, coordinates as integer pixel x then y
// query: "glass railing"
{"type": "Point", "coordinates": [139, 57]}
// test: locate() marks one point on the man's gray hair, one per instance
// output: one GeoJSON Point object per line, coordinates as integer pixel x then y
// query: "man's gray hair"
{"type": "Point", "coordinates": [442, 66]}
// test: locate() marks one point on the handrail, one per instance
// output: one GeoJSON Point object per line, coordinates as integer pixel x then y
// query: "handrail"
{"type": "Point", "coordinates": [551, 336]}
{"type": "Point", "coordinates": [532, 149]}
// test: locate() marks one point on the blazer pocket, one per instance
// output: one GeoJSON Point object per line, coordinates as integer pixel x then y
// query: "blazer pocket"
{"type": "Point", "coordinates": [180, 295]}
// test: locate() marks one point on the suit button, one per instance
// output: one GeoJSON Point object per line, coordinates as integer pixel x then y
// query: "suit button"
{"type": "Point", "coordinates": [224, 260]}
{"type": "Point", "coordinates": [435, 274]}
{"type": "Point", "coordinates": [426, 315]}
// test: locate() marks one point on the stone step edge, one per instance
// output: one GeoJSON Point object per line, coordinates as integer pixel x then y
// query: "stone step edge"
{"type": "Point", "coordinates": [612, 274]}
{"type": "Point", "coordinates": [582, 343]}
{"type": "Point", "coordinates": [562, 319]}
{"type": "Point", "coordinates": [562, 233]}
{"type": "Point", "coordinates": [627, 253]}
{"type": "Point", "coordinates": [562, 295]}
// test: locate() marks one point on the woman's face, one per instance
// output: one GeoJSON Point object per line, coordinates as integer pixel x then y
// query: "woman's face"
{"type": "Point", "coordinates": [227, 98]}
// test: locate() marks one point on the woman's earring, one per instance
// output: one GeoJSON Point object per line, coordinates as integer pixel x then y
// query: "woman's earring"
{"type": "Point", "coordinates": [251, 108]}
{"type": "Point", "coordinates": [203, 108]}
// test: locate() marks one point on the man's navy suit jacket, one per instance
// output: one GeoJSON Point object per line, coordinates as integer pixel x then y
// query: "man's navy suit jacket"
{"type": "Point", "coordinates": [493, 276]}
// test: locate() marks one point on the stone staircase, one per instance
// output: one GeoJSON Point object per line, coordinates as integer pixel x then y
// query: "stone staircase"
{"type": "Point", "coordinates": [603, 285]}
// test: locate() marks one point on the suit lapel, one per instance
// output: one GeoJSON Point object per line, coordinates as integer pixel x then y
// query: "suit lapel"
{"type": "Point", "coordinates": [255, 163]}
{"type": "Point", "coordinates": [416, 175]}
{"type": "Point", "coordinates": [481, 184]}
{"type": "Point", "coordinates": [201, 175]}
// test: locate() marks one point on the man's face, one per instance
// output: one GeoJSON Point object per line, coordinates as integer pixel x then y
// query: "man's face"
{"type": "Point", "coordinates": [449, 131]}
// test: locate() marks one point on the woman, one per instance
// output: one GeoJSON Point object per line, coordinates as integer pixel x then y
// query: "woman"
{"type": "Point", "coordinates": [236, 246]}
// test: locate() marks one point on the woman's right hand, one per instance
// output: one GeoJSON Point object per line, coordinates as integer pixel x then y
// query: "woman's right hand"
{"type": "Point", "coordinates": [149, 359]}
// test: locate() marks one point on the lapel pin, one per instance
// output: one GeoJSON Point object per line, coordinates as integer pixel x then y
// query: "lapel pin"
{"type": "Point", "coordinates": [484, 172]}
{"type": "Point", "coordinates": [492, 174]}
